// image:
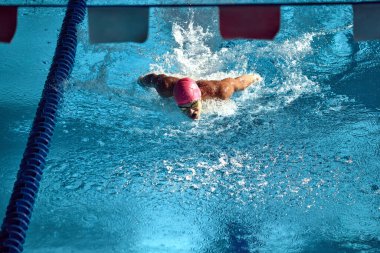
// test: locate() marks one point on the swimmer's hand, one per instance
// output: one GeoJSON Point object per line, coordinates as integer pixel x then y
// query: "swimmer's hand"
{"type": "Point", "coordinates": [250, 78]}
{"type": "Point", "coordinates": [257, 78]}
{"type": "Point", "coordinates": [147, 80]}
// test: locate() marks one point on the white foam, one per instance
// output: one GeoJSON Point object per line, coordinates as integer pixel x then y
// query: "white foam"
{"type": "Point", "coordinates": [219, 107]}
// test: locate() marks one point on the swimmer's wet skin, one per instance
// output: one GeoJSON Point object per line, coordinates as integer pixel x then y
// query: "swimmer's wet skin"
{"type": "Point", "coordinates": [189, 94]}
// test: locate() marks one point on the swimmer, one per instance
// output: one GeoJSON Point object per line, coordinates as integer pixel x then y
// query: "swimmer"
{"type": "Point", "coordinates": [189, 94]}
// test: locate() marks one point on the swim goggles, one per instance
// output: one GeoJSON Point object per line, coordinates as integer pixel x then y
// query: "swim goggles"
{"type": "Point", "coordinates": [194, 105]}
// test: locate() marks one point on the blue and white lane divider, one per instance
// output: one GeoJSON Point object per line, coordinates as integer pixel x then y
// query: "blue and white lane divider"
{"type": "Point", "coordinates": [20, 207]}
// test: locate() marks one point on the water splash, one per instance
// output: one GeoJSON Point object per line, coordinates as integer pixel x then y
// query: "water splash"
{"type": "Point", "coordinates": [289, 83]}
{"type": "Point", "coordinates": [194, 56]}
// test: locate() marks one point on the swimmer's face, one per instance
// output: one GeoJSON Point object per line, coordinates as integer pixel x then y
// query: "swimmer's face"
{"type": "Point", "coordinates": [192, 110]}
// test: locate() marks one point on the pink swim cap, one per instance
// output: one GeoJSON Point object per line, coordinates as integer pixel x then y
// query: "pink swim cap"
{"type": "Point", "coordinates": [186, 91]}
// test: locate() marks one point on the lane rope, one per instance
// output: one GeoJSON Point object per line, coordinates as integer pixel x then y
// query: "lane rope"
{"type": "Point", "coordinates": [20, 207]}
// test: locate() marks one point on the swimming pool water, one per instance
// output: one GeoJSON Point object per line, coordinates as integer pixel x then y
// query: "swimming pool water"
{"type": "Point", "coordinates": [288, 165]}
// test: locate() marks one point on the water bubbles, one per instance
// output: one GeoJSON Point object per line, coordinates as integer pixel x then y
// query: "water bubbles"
{"type": "Point", "coordinates": [241, 182]}
{"type": "Point", "coordinates": [306, 181]}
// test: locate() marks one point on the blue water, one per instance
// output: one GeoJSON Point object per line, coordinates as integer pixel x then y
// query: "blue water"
{"type": "Point", "coordinates": [288, 165]}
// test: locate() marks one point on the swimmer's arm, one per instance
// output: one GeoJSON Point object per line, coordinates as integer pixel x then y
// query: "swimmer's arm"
{"type": "Point", "coordinates": [242, 82]}
{"type": "Point", "coordinates": [164, 84]}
